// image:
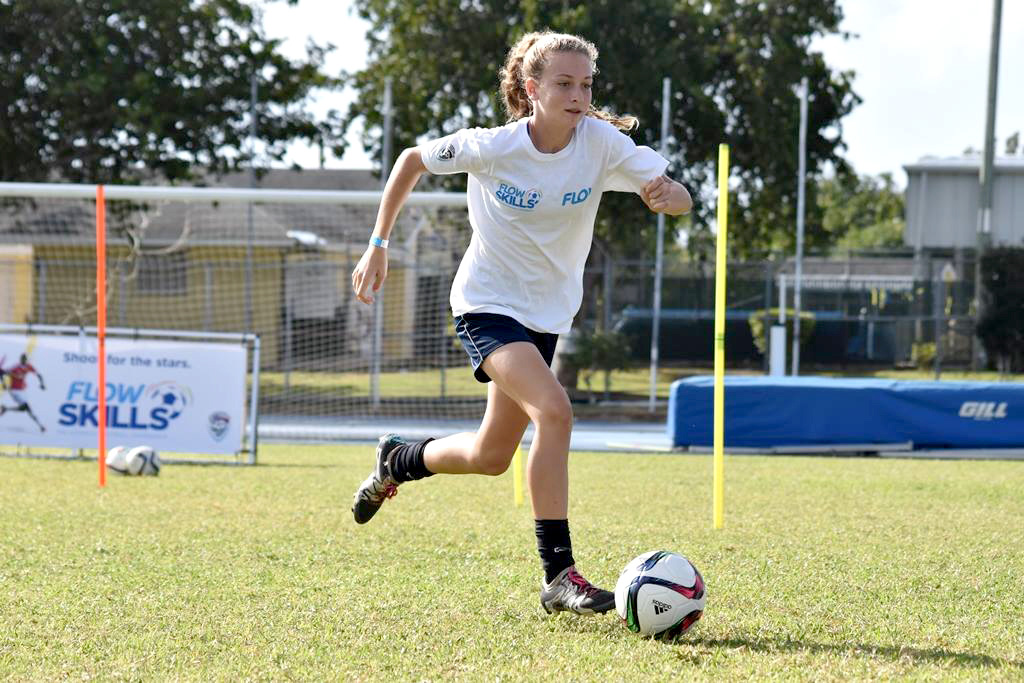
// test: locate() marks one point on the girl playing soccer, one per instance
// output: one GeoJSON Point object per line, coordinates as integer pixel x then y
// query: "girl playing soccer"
{"type": "Point", "coordinates": [533, 192]}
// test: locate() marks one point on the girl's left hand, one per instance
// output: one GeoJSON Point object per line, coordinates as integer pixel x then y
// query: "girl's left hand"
{"type": "Point", "coordinates": [664, 195]}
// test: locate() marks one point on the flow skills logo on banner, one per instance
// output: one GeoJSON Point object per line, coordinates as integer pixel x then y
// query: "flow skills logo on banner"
{"type": "Point", "coordinates": [129, 406]}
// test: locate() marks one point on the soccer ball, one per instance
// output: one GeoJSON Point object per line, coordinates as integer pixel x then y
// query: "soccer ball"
{"type": "Point", "coordinates": [660, 594]}
{"type": "Point", "coordinates": [142, 460]}
{"type": "Point", "coordinates": [116, 460]}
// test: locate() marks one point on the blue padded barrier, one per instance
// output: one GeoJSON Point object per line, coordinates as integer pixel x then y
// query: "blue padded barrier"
{"type": "Point", "coordinates": [768, 412]}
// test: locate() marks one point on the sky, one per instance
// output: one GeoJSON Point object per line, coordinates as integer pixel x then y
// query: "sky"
{"type": "Point", "coordinates": [921, 69]}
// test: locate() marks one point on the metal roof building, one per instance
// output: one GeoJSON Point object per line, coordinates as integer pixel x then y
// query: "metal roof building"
{"type": "Point", "coordinates": [942, 203]}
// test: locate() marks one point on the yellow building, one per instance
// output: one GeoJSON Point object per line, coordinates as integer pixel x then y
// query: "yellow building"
{"type": "Point", "coordinates": [280, 270]}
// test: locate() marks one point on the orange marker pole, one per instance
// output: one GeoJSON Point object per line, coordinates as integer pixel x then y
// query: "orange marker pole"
{"type": "Point", "coordinates": [101, 328]}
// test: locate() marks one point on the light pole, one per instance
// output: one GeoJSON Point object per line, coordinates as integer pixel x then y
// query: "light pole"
{"type": "Point", "coordinates": [800, 203]}
{"type": "Point", "coordinates": [984, 234]}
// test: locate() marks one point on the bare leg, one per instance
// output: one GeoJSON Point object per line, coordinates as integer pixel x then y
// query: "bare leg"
{"type": "Point", "coordinates": [521, 373]}
{"type": "Point", "coordinates": [488, 450]}
{"type": "Point", "coordinates": [524, 388]}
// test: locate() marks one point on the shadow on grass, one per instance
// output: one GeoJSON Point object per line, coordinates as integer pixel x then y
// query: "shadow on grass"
{"type": "Point", "coordinates": [918, 655]}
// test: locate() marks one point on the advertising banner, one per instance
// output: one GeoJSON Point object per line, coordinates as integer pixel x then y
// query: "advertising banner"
{"type": "Point", "coordinates": [774, 412]}
{"type": "Point", "coordinates": [174, 396]}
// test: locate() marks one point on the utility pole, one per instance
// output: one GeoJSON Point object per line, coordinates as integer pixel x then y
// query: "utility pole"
{"type": "Point", "coordinates": [984, 234]}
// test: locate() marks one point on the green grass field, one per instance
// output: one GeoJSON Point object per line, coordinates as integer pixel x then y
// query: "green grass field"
{"type": "Point", "coordinates": [828, 568]}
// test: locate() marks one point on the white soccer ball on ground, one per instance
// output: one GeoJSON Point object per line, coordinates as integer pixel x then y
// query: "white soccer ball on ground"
{"type": "Point", "coordinates": [117, 459]}
{"type": "Point", "coordinates": [660, 594]}
{"type": "Point", "coordinates": [142, 460]}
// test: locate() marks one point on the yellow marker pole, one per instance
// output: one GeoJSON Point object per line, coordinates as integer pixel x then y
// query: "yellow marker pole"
{"type": "Point", "coordinates": [517, 476]}
{"type": "Point", "coordinates": [720, 258]}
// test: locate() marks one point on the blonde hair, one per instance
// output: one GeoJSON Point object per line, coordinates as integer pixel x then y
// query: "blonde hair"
{"type": "Point", "coordinates": [529, 57]}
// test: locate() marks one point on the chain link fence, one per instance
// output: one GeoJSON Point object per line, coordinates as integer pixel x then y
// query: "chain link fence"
{"type": "Point", "coordinates": [881, 309]}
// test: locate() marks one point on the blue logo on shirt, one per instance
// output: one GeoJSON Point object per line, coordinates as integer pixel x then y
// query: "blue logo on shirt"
{"type": "Point", "coordinates": [516, 198]}
{"type": "Point", "coordinates": [577, 197]}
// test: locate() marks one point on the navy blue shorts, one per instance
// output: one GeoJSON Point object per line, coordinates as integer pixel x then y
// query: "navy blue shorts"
{"type": "Point", "coordinates": [482, 334]}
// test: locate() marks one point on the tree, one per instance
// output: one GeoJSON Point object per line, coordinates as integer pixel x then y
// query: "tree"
{"type": "Point", "coordinates": [114, 91]}
{"type": "Point", "coordinates": [860, 212]}
{"type": "Point", "coordinates": [734, 67]}
{"type": "Point", "coordinates": [1013, 144]}
{"type": "Point", "coordinates": [1001, 328]}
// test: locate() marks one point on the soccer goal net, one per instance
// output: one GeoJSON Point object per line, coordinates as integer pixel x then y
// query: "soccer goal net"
{"type": "Point", "coordinates": [273, 263]}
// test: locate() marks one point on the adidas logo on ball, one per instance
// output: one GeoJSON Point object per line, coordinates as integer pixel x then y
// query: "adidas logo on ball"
{"type": "Point", "coordinates": [660, 607]}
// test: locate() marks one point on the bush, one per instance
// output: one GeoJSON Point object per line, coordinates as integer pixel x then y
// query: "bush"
{"type": "Point", "coordinates": [922, 354]}
{"type": "Point", "coordinates": [600, 351]}
{"type": "Point", "coordinates": [760, 335]}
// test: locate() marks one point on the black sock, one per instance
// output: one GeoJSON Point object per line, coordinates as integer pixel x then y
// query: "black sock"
{"type": "Point", "coordinates": [407, 462]}
{"type": "Point", "coordinates": [554, 546]}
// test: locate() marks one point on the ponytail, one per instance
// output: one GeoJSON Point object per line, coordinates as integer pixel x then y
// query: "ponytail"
{"type": "Point", "coordinates": [620, 121]}
{"type": "Point", "coordinates": [513, 82]}
{"type": "Point", "coordinates": [528, 58]}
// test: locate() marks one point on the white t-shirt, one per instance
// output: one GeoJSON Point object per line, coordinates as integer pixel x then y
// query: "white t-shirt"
{"type": "Point", "coordinates": [533, 214]}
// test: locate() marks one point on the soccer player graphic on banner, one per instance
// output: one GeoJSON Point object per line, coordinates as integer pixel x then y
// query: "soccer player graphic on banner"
{"type": "Point", "coordinates": [17, 386]}
{"type": "Point", "coordinates": [533, 193]}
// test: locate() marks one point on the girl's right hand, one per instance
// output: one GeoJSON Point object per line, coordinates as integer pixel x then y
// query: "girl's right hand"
{"type": "Point", "coordinates": [369, 273]}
